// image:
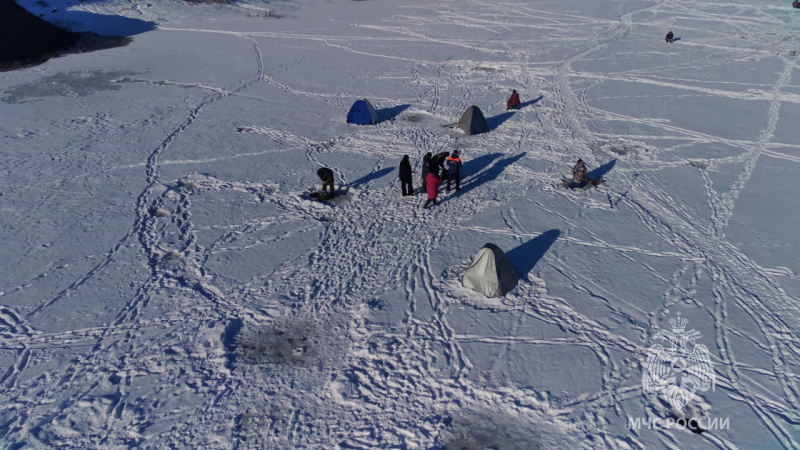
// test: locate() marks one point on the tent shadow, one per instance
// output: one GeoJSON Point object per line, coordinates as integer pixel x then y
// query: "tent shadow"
{"type": "Point", "coordinates": [525, 257]}
{"type": "Point", "coordinates": [469, 183]}
{"type": "Point", "coordinates": [496, 121]}
{"type": "Point", "coordinates": [595, 174]}
{"type": "Point", "coordinates": [369, 177]}
{"type": "Point", "coordinates": [390, 113]}
{"type": "Point", "coordinates": [531, 102]}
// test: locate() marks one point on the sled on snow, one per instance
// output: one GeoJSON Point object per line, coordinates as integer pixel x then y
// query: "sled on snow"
{"type": "Point", "coordinates": [569, 183]}
{"type": "Point", "coordinates": [319, 196]}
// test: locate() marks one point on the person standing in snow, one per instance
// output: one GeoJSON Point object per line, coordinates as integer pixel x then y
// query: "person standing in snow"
{"type": "Point", "coordinates": [432, 182]}
{"type": "Point", "coordinates": [326, 176]}
{"type": "Point", "coordinates": [670, 37]}
{"type": "Point", "coordinates": [405, 177]}
{"type": "Point", "coordinates": [425, 163]}
{"type": "Point", "coordinates": [454, 169]}
{"type": "Point", "coordinates": [513, 101]}
{"type": "Point", "coordinates": [579, 173]}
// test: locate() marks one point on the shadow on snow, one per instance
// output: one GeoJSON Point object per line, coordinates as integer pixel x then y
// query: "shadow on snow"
{"type": "Point", "coordinates": [530, 102]}
{"type": "Point", "coordinates": [595, 174]}
{"type": "Point", "coordinates": [369, 177]}
{"type": "Point", "coordinates": [390, 113]}
{"type": "Point", "coordinates": [470, 182]}
{"type": "Point", "coordinates": [525, 257]}
{"type": "Point", "coordinates": [105, 25]}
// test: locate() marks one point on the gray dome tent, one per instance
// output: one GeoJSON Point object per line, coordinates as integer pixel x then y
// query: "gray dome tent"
{"type": "Point", "coordinates": [473, 122]}
{"type": "Point", "coordinates": [490, 273]}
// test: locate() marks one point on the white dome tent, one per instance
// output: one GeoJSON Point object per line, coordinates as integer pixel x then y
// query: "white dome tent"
{"type": "Point", "coordinates": [490, 273]}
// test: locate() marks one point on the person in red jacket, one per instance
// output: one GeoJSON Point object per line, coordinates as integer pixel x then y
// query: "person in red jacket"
{"type": "Point", "coordinates": [513, 101]}
{"type": "Point", "coordinates": [432, 182]}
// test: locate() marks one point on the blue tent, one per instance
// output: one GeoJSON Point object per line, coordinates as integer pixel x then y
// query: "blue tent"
{"type": "Point", "coordinates": [362, 113]}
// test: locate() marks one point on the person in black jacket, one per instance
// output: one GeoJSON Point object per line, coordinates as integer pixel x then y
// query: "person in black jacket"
{"type": "Point", "coordinates": [405, 177]}
{"type": "Point", "coordinates": [438, 161]}
{"type": "Point", "coordinates": [425, 161]}
{"type": "Point", "coordinates": [670, 37]}
{"type": "Point", "coordinates": [326, 175]}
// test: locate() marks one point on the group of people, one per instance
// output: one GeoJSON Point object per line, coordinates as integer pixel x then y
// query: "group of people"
{"type": "Point", "coordinates": [434, 171]}
{"type": "Point", "coordinates": [433, 174]}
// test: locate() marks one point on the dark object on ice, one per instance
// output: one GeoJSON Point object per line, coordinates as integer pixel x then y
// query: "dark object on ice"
{"type": "Point", "coordinates": [670, 37]}
{"type": "Point", "coordinates": [473, 121]}
{"type": "Point", "coordinates": [796, 4]}
{"type": "Point", "coordinates": [513, 101]}
{"type": "Point", "coordinates": [326, 176]}
{"type": "Point", "coordinates": [27, 39]}
{"type": "Point", "coordinates": [321, 196]}
{"type": "Point", "coordinates": [572, 184]}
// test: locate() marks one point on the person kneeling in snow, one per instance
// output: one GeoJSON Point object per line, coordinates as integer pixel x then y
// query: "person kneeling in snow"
{"type": "Point", "coordinates": [579, 173]}
{"type": "Point", "coordinates": [670, 37]}
{"type": "Point", "coordinates": [326, 175]}
{"type": "Point", "coordinates": [513, 101]}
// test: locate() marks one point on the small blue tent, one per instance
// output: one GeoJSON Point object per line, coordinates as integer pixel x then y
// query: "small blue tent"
{"type": "Point", "coordinates": [362, 113]}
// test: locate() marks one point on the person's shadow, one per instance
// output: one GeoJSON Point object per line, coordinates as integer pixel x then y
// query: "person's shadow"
{"type": "Point", "coordinates": [595, 174]}
{"type": "Point", "coordinates": [470, 182]}
{"type": "Point", "coordinates": [369, 177]}
{"type": "Point", "coordinates": [525, 257]}
{"type": "Point", "coordinates": [531, 102]}
{"type": "Point", "coordinates": [390, 113]}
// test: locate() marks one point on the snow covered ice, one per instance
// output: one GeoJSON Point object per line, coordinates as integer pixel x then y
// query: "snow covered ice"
{"type": "Point", "coordinates": [167, 284]}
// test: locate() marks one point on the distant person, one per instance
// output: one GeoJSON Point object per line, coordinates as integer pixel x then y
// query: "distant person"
{"type": "Point", "coordinates": [454, 169]}
{"type": "Point", "coordinates": [425, 163]}
{"type": "Point", "coordinates": [326, 175]}
{"type": "Point", "coordinates": [437, 161]}
{"type": "Point", "coordinates": [513, 101]}
{"type": "Point", "coordinates": [671, 37]}
{"type": "Point", "coordinates": [432, 182]}
{"type": "Point", "coordinates": [405, 177]}
{"type": "Point", "coordinates": [579, 173]}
